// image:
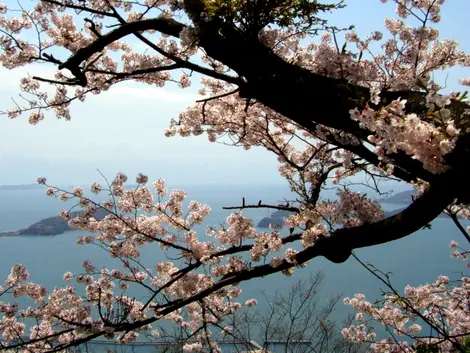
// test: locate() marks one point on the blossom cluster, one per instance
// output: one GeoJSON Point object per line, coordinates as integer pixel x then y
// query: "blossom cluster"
{"type": "Point", "coordinates": [59, 30]}
{"type": "Point", "coordinates": [310, 156]}
{"type": "Point", "coordinates": [130, 219]}
{"type": "Point", "coordinates": [393, 130]}
{"type": "Point", "coordinates": [443, 306]}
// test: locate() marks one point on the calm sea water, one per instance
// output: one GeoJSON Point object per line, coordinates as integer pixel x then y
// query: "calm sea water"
{"type": "Point", "coordinates": [417, 259]}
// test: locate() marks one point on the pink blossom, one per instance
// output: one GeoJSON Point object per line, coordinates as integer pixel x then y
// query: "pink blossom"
{"type": "Point", "coordinates": [251, 302]}
{"type": "Point", "coordinates": [309, 158]}
{"type": "Point", "coordinates": [96, 188]}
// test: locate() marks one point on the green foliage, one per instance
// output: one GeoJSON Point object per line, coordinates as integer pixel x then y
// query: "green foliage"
{"type": "Point", "coordinates": [427, 348]}
{"type": "Point", "coordinates": [253, 15]}
{"type": "Point", "coordinates": [434, 348]}
{"type": "Point", "coordinates": [466, 344]}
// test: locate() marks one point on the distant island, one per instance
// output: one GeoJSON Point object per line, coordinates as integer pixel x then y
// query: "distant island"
{"type": "Point", "coordinates": [50, 226]}
{"type": "Point", "coordinates": [57, 225]}
{"type": "Point", "coordinates": [394, 212]}
{"type": "Point", "coordinates": [404, 197]}
{"type": "Point", "coordinates": [276, 219]}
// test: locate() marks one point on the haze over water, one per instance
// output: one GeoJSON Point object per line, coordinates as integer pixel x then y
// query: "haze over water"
{"type": "Point", "coordinates": [415, 260]}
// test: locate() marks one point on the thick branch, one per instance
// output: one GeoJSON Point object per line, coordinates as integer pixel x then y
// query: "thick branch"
{"type": "Point", "coordinates": [299, 94]}
{"type": "Point", "coordinates": [189, 65]}
{"type": "Point", "coordinates": [422, 211]}
{"type": "Point", "coordinates": [337, 247]}
{"type": "Point", "coordinates": [459, 226]}
{"type": "Point", "coordinates": [166, 26]}
{"type": "Point", "coordinates": [163, 25]}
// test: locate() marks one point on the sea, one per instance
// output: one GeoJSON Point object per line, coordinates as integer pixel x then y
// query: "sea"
{"type": "Point", "coordinates": [414, 260]}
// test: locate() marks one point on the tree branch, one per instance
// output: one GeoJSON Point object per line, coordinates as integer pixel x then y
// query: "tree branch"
{"type": "Point", "coordinates": [462, 230]}
{"type": "Point", "coordinates": [166, 26]}
{"type": "Point", "coordinates": [305, 97]}
{"type": "Point", "coordinates": [262, 205]}
{"type": "Point", "coordinates": [337, 248]}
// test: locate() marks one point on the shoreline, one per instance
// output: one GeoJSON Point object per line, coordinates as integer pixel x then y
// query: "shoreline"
{"type": "Point", "coordinates": [11, 233]}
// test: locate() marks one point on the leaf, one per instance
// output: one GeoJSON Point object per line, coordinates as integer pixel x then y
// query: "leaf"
{"type": "Point", "coordinates": [427, 348]}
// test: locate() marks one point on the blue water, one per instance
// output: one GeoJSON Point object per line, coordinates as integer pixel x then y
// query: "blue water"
{"type": "Point", "coordinates": [417, 259]}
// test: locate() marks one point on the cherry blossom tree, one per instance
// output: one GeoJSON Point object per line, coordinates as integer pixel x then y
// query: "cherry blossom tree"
{"type": "Point", "coordinates": [440, 307]}
{"type": "Point", "coordinates": [274, 74]}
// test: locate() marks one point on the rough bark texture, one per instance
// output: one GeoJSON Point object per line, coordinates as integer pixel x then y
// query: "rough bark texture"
{"type": "Point", "coordinates": [310, 100]}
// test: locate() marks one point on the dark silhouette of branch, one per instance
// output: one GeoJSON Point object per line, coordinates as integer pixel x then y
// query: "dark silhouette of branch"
{"type": "Point", "coordinates": [262, 205]}
{"type": "Point", "coordinates": [218, 96]}
{"type": "Point", "coordinates": [305, 97]}
{"type": "Point", "coordinates": [384, 278]}
{"type": "Point", "coordinates": [336, 247]}
{"type": "Point", "coordinates": [459, 226]}
{"type": "Point", "coordinates": [165, 26]}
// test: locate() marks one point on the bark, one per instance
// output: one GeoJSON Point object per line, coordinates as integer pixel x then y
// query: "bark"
{"type": "Point", "coordinates": [311, 99]}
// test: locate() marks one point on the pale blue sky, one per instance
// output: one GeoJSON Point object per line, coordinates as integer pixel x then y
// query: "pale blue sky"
{"type": "Point", "coordinates": [122, 130]}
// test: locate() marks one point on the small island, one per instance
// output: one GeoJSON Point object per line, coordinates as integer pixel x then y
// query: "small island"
{"type": "Point", "coordinates": [50, 226]}
{"type": "Point", "coordinates": [276, 219]}
{"type": "Point", "coordinates": [57, 225]}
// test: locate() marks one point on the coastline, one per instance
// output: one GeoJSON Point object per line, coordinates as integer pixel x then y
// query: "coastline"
{"type": "Point", "coordinates": [11, 233]}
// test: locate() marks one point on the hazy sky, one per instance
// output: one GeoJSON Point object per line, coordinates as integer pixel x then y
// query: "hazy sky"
{"type": "Point", "coordinates": [122, 130]}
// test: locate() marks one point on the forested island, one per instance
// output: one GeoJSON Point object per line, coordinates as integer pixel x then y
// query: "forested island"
{"type": "Point", "coordinates": [276, 219]}
{"type": "Point", "coordinates": [49, 226]}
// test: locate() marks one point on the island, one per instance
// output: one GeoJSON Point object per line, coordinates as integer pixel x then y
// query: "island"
{"type": "Point", "coordinates": [57, 225]}
{"type": "Point", "coordinates": [50, 226]}
{"type": "Point", "coordinates": [276, 219]}
{"type": "Point", "coordinates": [404, 197]}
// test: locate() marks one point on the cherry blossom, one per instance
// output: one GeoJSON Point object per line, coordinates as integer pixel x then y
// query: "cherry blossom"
{"type": "Point", "coordinates": [442, 306]}
{"type": "Point", "coordinates": [332, 109]}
